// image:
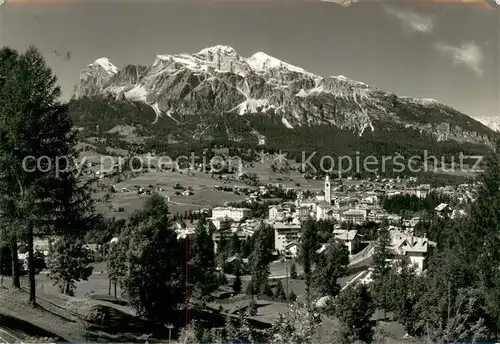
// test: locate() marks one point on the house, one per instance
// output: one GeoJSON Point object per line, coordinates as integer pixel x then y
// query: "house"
{"type": "Point", "coordinates": [394, 219]}
{"type": "Point", "coordinates": [443, 210]}
{"type": "Point", "coordinates": [292, 249]}
{"type": "Point", "coordinates": [423, 190]}
{"type": "Point", "coordinates": [236, 262]}
{"type": "Point", "coordinates": [280, 212]}
{"type": "Point", "coordinates": [324, 212]}
{"type": "Point", "coordinates": [456, 214]}
{"type": "Point", "coordinates": [304, 211]}
{"type": "Point", "coordinates": [221, 224]}
{"type": "Point", "coordinates": [417, 249]}
{"type": "Point", "coordinates": [349, 237]}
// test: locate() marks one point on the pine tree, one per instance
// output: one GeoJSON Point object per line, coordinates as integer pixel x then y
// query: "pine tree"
{"type": "Point", "coordinates": [152, 249]}
{"type": "Point", "coordinates": [280, 294]}
{"type": "Point", "coordinates": [237, 284]}
{"type": "Point", "coordinates": [331, 265]}
{"type": "Point", "coordinates": [35, 123]}
{"type": "Point", "coordinates": [382, 254]}
{"type": "Point", "coordinates": [235, 245]}
{"type": "Point", "coordinates": [296, 325]}
{"type": "Point", "coordinates": [202, 263]}
{"type": "Point", "coordinates": [260, 258]}
{"type": "Point", "coordinates": [309, 244]}
{"type": "Point", "coordinates": [267, 290]}
{"type": "Point", "coordinates": [354, 308]}
{"type": "Point", "coordinates": [479, 239]}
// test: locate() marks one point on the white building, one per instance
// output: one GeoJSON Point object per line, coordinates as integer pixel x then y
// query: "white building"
{"type": "Point", "coordinates": [235, 214]}
{"type": "Point", "coordinates": [356, 216]}
{"type": "Point", "coordinates": [324, 212]}
{"type": "Point", "coordinates": [415, 248]}
{"type": "Point", "coordinates": [349, 237]}
{"type": "Point", "coordinates": [423, 190]}
{"type": "Point", "coordinates": [285, 234]}
{"type": "Point", "coordinates": [221, 223]}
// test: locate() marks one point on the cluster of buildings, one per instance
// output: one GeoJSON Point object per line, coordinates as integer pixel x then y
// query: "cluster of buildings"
{"type": "Point", "coordinates": [359, 207]}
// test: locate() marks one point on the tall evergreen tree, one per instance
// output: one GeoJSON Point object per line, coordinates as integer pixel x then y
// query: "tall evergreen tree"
{"type": "Point", "coordinates": [280, 292]}
{"type": "Point", "coordinates": [235, 244]}
{"type": "Point", "coordinates": [331, 265]}
{"type": "Point", "coordinates": [154, 278]}
{"type": "Point", "coordinates": [480, 239]}
{"type": "Point", "coordinates": [37, 157]}
{"type": "Point", "coordinates": [260, 259]}
{"type": "Point", "coordinates": [382, 254]}
{"type": "Point", "coordinates": [237, 283]}
{"type": "Point", "coordinates": [202, 263]}
{"type": "Point", "coordinates": [309, 244]}
{"type": "Point", "coordinates": [354, 308]}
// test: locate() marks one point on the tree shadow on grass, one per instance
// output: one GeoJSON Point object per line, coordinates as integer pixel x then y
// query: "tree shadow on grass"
{"type": "Point", "coordinates": [120, 326]}
{"type": "Point", "coordinates": [15, 324]}
{"type": "Point", "coordinates": [108, 298]}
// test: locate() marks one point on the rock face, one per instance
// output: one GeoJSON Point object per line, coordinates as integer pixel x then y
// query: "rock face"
{"type": "Point", "coordinates": [217, 80]}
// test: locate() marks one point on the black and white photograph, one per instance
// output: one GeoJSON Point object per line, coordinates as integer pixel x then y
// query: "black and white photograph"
{"type": "Point", "coordinates": [250, 171]}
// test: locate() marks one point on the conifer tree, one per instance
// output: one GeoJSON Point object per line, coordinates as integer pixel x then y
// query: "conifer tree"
{"type": "Point", "coordinates": [280, 292]}
{"type": "Point", "coordinates": [43, 193]}
{"type": "Point", "coordinates": [237, 283]}
{"type": "Point", "coordinates": [331, 265]}
{"type": "Point", "coordinates": [152, 249]}
{"type": "Point", "coordinates": [309, 244]}
{"type": "Point", "coordinates": [382, 254]}
{"type": "Point", "coordinates": [354, 308]}
{"type": "Point", "coordinates": [260, 258]}
{"type": "Point", "coordinates": [202, 263]}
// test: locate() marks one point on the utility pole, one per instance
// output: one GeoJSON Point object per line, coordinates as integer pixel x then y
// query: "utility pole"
{"type": "Point", "coordinates": [1, 22]}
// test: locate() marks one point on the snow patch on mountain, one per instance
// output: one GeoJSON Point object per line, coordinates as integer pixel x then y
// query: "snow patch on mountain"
{"type": "Point", "coordinates": [286, 123]}
{"type": "Point", "coordinates": [261, 61]}
{"type": "Point", "coordinates": [138, 93]}
{"type": "Point", "coordinates": [106, 65]}
{"type": "Point", "coordinates": [492, 122]}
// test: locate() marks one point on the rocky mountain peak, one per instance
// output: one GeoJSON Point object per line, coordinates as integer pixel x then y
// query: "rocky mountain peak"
{"type": "Point", "coordinates": [107, 66]}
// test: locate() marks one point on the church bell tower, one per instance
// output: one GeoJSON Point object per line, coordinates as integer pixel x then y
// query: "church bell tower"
{"type": "Point", "coordinates": [328, 190]}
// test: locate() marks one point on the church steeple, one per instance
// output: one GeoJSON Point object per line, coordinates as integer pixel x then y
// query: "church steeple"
{"type": "Point", "coordinates": [328, 189]}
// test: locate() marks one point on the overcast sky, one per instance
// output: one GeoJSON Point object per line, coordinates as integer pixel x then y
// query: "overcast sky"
{"type": "Point", "coordinates": [448, 52]}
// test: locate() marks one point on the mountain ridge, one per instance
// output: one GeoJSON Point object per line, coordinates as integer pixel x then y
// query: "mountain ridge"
{"type": "Point", "coordinates": [217, 82]}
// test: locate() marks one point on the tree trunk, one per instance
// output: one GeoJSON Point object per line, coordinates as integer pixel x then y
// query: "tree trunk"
{"type": "Point", "coordinates": [16, 281]}
{"type": "Point", "coordinates": [31, 267]}
{"type": "Point", "coordinates": [114, 286]}
{"type": "Point", "coordinates": [109, 287]}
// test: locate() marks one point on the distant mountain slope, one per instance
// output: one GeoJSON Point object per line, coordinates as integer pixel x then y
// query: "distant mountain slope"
{"type": "Point", "coordinates": [216, 94]}
{"type": "Point", "coordinates": [491, 122]}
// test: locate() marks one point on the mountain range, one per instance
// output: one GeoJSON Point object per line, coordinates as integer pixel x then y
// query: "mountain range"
{"type": "Point", "coordinates": [216, 94]}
